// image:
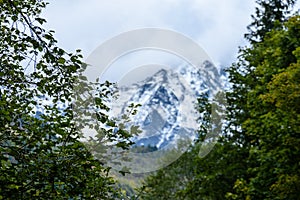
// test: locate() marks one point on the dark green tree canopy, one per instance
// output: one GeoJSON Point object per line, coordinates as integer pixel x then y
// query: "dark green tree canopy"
{"type": "Point", "coordinates": [41, 156]}
{"type": "Point", "coordinates": [268, 15]}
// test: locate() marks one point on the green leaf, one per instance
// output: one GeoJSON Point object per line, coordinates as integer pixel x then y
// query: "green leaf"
{"type": "Point", "coordinates": [61, 60]}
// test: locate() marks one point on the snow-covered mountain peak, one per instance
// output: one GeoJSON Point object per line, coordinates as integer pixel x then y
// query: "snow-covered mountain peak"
{"type": "Point", "coordinates": [168, 100]}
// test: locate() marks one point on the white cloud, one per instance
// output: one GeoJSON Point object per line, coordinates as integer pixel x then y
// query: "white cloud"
{"type": "Point", "coordinates": [227, 21]}
{"type": "Point", "coordinates": [217, 25]}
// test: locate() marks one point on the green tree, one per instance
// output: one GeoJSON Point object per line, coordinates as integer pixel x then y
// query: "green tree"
{"type": "Point", "coordinates": [268, 15]}
{"type": "Point", "coordinates": [272, 123]}
{"type": "Point", "coordinates": [251, 119]}
{"type": "Point", "coordinates": [41, 156]}
{"type": "Point", "coordinates": [166, 183]}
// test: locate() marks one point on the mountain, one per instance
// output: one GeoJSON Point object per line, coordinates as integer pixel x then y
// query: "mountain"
{"type": "Point", "coordinates": [168, 99]}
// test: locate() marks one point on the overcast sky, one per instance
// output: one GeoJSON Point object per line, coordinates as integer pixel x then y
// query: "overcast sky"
{"type": "Point", "coordinates": [216, 25]}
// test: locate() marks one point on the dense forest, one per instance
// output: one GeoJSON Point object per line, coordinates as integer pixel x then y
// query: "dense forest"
{"type": "Point", "coordinates": [257, 155]}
